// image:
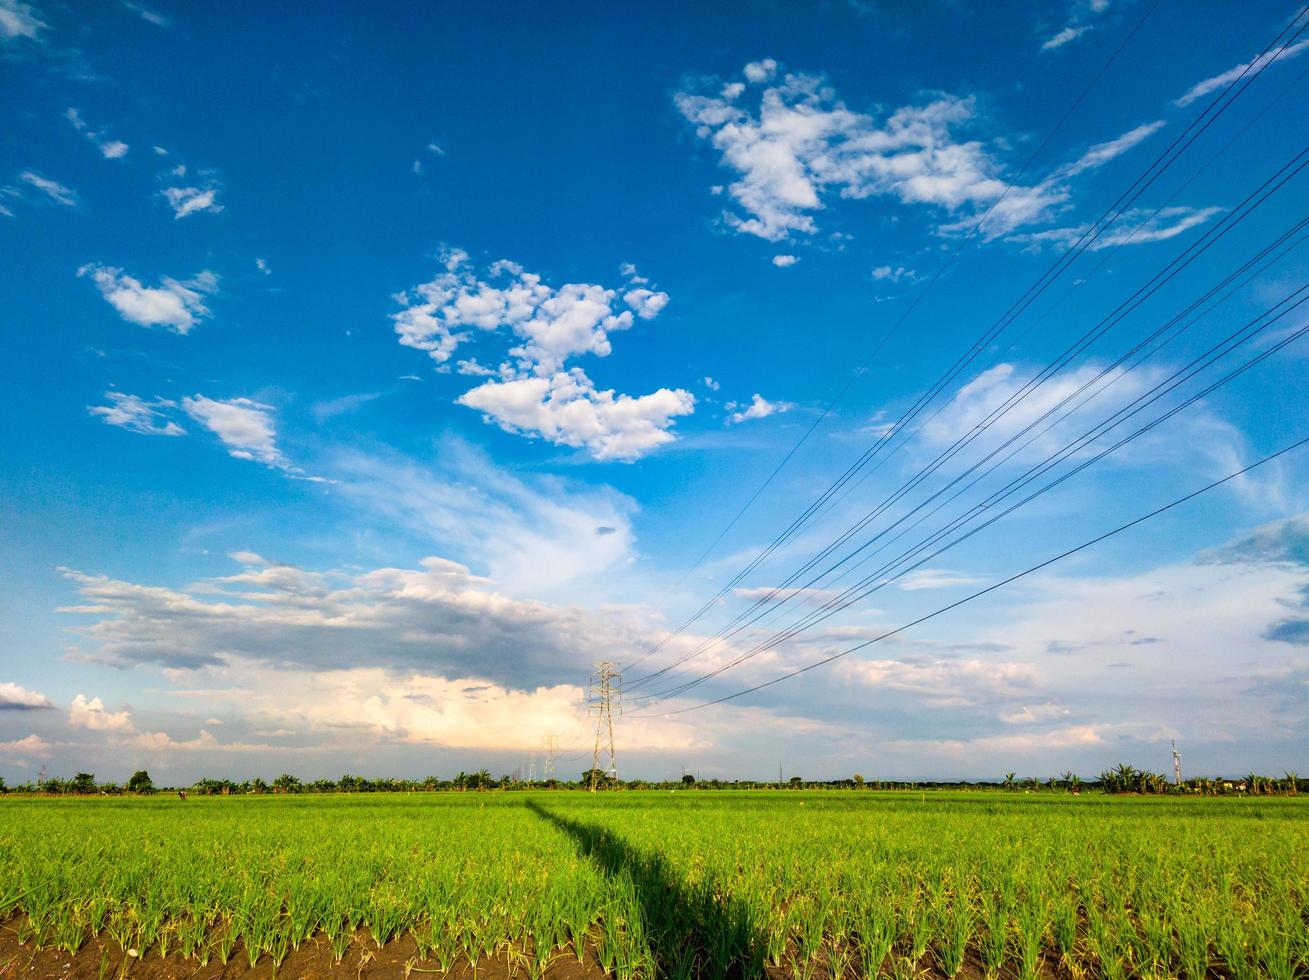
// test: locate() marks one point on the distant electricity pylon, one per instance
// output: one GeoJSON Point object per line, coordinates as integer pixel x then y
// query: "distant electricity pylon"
{"type": "Point", "coordinates": [550, 749]}
{"type": "Point", "coordinates": [531, 768]}
{"type": "Point", "coordinates": [606, 689]}
{"type": "Point", "coordinates": [1177, 764]}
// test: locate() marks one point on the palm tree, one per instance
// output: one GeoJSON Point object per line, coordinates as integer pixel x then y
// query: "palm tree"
{"type": "Point", "coordinates": [1292, 783]}
{"type": "Point", "coordinates": [1009, 778]}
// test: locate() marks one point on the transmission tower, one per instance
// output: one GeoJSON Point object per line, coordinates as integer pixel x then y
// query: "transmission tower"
{"type": "Point", "coordinates": [606, 690]}
{"type": "Point", "coordinates": [531, 768]}
{"type": "Point", "coordinates": [1177, 764]}
{"type": "Point", "coordinates": [550, 749]}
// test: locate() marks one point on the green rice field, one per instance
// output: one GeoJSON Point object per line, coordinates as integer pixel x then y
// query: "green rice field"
{"type": "Point", "coordinates": [683, 884]}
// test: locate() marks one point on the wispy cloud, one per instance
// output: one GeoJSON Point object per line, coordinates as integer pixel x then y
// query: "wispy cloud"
{"type": "Point", "coordinates": [1200, 89]}
{"type": "Point", "coordinates": [110, 149]}
{"type": "Point", "coordinates": [1081, 17]}
{"type": "Point", "coordinates": [19, 20]}
{"type": "Point", "coordinates": [52, 189]}
{"type": "Point", "coordinates": [137, 415]}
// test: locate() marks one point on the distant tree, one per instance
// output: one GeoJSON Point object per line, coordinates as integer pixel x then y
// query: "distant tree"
{"type": "Point", "coordinates": [796, 782]}
{"type": "Point", "coordinates": [688, 779]}
{"type": "Point", "coordinates": [1010, 781]}
{"type": "Point", "coordinates": [1292, 783]}
{"type": "Point", "coordinates": [858, 781]}
{"type": "Point", "coordinates": [257, 785]}
{"type": "Point", "coordinates": [3, 787]}
{"type": "Point", "coordinates": [140, 782]}
{"type": "Point", "coordinates": [83, 782]}
{"type": "Point", "coordinates": [286, 783]}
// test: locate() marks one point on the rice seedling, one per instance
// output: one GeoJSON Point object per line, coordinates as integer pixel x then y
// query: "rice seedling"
{"type": "Point", "coordinates": [868, 884]}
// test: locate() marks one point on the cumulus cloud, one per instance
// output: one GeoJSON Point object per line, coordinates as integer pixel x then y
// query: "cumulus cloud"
{"type": "Point", "coordinates": [568, 410]}
{"type": "Point", "coordinates": [175, 304]}
{"type": "Point", "coordinates": [14, 697]}
{"type": "Point", "coordinates": [135, 414]}
{"type": "Point", "coordinates": [1200, 89]}
{"type": "Point", "coordinates": [535, 393]}
{"type": "Point", "coordinates": [759, 408]}
{"type": "Point", "coordinates": [110, 149]}
{"type": "Point", "coordinates": [554, 323]}
{"type": "Point", "coordinates": [245, 427]}
{"type": "Point", "coordinates": [192, 200]}
{"type": "Point", "coordinates": [94, 716]}
{"type": "Point", "coordinates": [32, 745]}
{"type": "Point", "coordinates": [785, 261]}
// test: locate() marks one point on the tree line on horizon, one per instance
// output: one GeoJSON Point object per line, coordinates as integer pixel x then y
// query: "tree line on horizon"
{"type": "Point", "coordinates": [1121, 780]}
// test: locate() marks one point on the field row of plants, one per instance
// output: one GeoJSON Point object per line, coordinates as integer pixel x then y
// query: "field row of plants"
{"type": "Point", "coordinates": [681, 884]}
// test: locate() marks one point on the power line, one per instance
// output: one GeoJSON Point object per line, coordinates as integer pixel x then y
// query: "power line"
{"type": "Point", "coordinates": [895, 326]}
{"type": "Point", "coordinates": [1001, 584]}
{"type": "Point", "coordinates": [1189, 135]}
{"type": "Point", "coordinates": [852, 595]}
{"type": "Point", "coordinates": [1171, 269]}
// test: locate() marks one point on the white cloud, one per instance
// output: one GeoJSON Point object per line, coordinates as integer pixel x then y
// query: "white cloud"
{"type": "Point", "coordinates": [893, 274]}
{"type": "Point", "coordinates": [1068, 34]}
{"type": "Point", "coordinates": [536, 394]}
{"type": "Point", "coordinates": [1080, 15]}
{"type": "Point", "coordinates": [1135, 227]}
{"type": "Point", "coordinates": [533, 537]}
{"type": "Point", "coordinates": [32, 745]}
{"type": "Point", "coordinates": [934, 578]}
{"type": "Point", "coordinates": [785, 261]}
{"type": "Point", "coordinates": [110, 149]}
{"type": "Point", "coordinates": [192, 200]}
{"type": "Point", "coordinates": [52, 189]}
{"type": "Point", "coordinates": [803, 143]}
{"type": "Point", "coordinates": [759, 408]}
{"type": "Point", "coordinates": [1101, 153]}
{"type": "Point", "coordinates": [146, 14]}
{"type": "Point", "coordinates": [645, 302]}
{"type": "Point", "coordinates": [711, 384]}
{"type": "Point", "coordinates": [93, 716]}
{"type": "Point", "coordinates": [19, 20]}
{"type": "Point", "coordinates": [1200, 89]}
{"type": "Point", "coordinates": [262, 266]}
{"type": "Point", "coordinates": [176, 304]}
{"type": "Point", "coordinates": [758, 72]}
{"type": "Point", "coordinates": [567, 409]}
{"type": "Point", "coordinates": [947, 680]}
{"type": "Point", "coordinates": [14, 697]}
{"type": "Point", "coordinates": [554, 323]}
{"type": "Point", "coordinates": [245, 427]}
{"type": "Point", "coordinates": [137, 415]}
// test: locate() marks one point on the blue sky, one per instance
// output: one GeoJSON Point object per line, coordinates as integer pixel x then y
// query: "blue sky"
{"type": "Point", "coordinates": [373, 374]}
